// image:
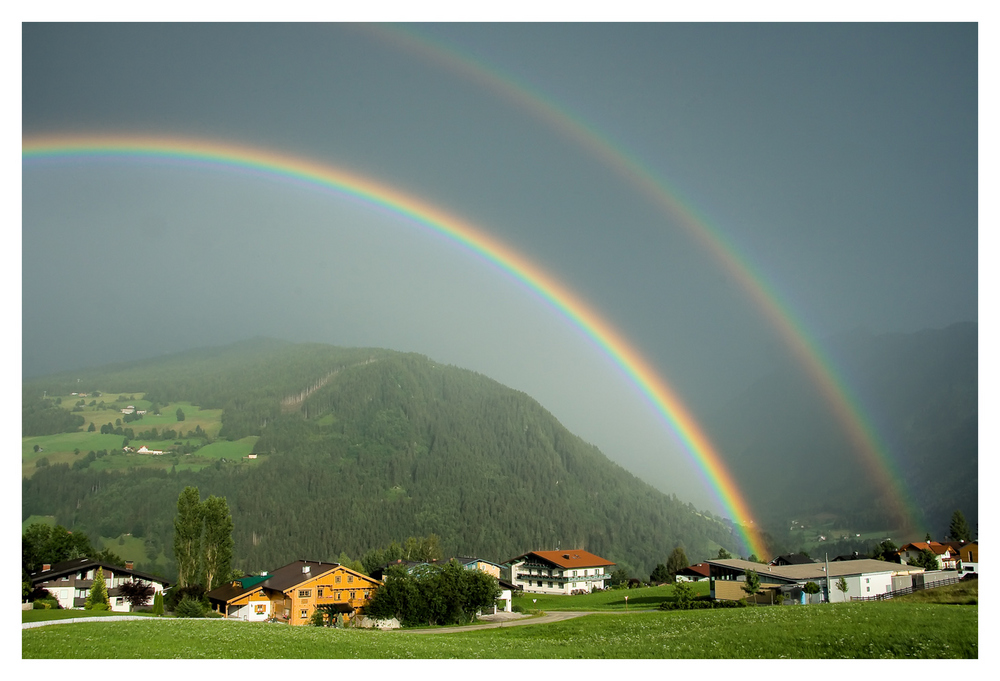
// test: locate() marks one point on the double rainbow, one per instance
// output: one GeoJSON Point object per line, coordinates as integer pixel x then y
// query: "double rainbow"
{"type": "Point", "coordinates": [230, 157]}
{"type": "Point", "coordinates": [844, 405]}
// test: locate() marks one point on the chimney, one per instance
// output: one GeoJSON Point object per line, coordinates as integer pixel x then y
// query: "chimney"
{"type": "Point", "coordinates": [46, 567]}
{"type": "Point", "coordinates": [305, 569]}
{"type": "Point", "coordinates": [129, 565]}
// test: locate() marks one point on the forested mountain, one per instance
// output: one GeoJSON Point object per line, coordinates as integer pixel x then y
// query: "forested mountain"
{"type": "Point", "coordinates": [919, 390]}
{"type": "Point", "coordinates": [361, 447]}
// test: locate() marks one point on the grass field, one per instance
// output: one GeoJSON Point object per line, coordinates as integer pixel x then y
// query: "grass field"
{"type": "Point", "coordinates": [60, 448]}
{"type": "Point", "coordinates": [848, 630]}
{"type": "Point", "coordinates": [646, 598]}
{"type": "Point", "coordinates": [46, 615]}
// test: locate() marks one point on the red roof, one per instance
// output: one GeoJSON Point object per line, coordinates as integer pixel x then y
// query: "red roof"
{"type": "Point", "coordinates": [934, 547]}
{"type": "Point", "coordinates": [698, 569]}
{"type": "Point", "coordinates": [574, 558]}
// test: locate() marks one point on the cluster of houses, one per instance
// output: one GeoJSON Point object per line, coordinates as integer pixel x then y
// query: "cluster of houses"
{"type": "Point", "coordinates": [785, 579]}
{"type": "Point", "coordinates": [294, 592]}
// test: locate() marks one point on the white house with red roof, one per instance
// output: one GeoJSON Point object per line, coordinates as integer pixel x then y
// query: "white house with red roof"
{"type": "Point", "coordinates": [947, 557]}
{"type": "Point", "coordinates": [559, 572]}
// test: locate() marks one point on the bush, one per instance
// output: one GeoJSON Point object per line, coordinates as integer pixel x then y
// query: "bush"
{"type": "Point", "coordinates": [97, 606]}
{"type": "Point", "coordinates": [190, 607]}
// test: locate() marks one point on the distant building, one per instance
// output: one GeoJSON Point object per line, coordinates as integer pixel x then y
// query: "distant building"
{"type": "Point", "coordinates": [70, 582]}
{"type": "Point", "coordinates": [559, 572]}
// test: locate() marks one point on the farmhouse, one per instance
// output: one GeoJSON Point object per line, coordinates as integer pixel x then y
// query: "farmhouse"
{"type": "Point", "coordinates": [968, 555]}
{"type": "Point", "coordinates": [864, 577]}
{"type": "Point", "coordinates": [70, 582]}
{"type": "Point", "coordinates": [559, 572]}
{"type": "Point", "coordinates": [699, 572]}
{"type": "Point", "coordinates": [293, 592]}
{"type": "Point", "coordinates": [947, 557]}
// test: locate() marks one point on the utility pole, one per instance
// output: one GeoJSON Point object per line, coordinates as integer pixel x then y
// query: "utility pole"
{"type": "Point", "coordinates": [826, 556]}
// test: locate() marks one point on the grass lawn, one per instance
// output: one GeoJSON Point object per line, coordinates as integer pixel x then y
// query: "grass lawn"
{"type": "Point", "coordinates": [848, 630]}
{"type": "Point", "coordinates": [646, 598]}
{"type": "Point", "coordinates": [46, 615]}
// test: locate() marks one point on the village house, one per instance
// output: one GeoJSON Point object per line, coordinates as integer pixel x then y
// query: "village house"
{"type": "Point", "coordinates": [293, 592]}
{"type": "Point", "coordinates": [70, 582]}
{"type": "Point", "coordinates": [968, 555]}
{"type": "Point", "coordinates": [559, 572]}
{"type": "Point", "coordinates": [699, 572]}
{"type": "Point", "coordinates": [947, 557]}
{"type": "Point", "coordinates": [864, 578]}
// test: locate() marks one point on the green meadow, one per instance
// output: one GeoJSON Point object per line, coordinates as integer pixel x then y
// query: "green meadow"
{"type": "Point", "coordinates": [645, 598]}
{"type": "Point", "coordinates": [849, 630]}
{"type": "Point", "coordinates": [69, 447]}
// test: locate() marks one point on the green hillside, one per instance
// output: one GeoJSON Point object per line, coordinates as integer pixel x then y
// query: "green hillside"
{"type": "Point", "coordinates": [357, 448]}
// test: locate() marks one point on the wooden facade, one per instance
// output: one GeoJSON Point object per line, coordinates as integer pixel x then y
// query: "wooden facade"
{"type": "Point", "coordinates": [294, 592]}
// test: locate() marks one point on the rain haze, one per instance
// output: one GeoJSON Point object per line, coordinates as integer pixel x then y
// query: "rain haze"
{"type": "Point", "coordinates": [837, 161]}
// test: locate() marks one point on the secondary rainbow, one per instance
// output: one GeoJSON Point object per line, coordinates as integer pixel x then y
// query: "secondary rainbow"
{"type": "Point", "coordinates": [843, 404]}
{"type": "Point", "coordinates": [296, 169]}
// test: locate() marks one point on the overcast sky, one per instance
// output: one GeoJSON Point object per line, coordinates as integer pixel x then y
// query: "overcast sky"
{"type": "Point", "coordinates": [839, 159]}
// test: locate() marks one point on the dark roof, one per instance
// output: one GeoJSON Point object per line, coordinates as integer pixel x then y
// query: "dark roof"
{"type": "Point", "coordinates": [700, 569]}
{"type": "Point", "coordinates": [287, 576]}
{"type": "Point", "coordinates": [231, 591]}
{"type": "Point", "coordinates": [573, 558]}
{"type": "Point", "coordinates": [68, 567]}
{"type": "Point", "coordinates": [793, 559]}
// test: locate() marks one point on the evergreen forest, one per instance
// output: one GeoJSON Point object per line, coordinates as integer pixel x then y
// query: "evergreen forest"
{"type": "Point", "coordinates": [359, 448]}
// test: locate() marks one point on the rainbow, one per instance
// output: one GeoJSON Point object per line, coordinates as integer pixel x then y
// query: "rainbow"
{"type": "Point", "coordinates": [231, 157]}
{"type": "Point", "coordinates": [842, 402]}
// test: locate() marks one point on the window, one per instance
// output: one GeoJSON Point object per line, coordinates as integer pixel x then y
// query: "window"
{"type": "Point", "coordinates": [550, 585]}
{"type": "Point", "coordinates": [350, 579]}
{"type": "Point", "coordinates": [868, 588]}
{"type": "Point", "coordinates": [303, 613]}
{"type": "Point", "coordinates": [352, 595]}
{"type": "Point", "coordinates": [305, 593]}
{"type": "Point", "coordinates": [319, 592]}
{"type": "Point", "coordinates": [574, 573]}
{"type": "Point", "coordinates": [336, 580]}
{"type": "Point", "coordinates": [367, 594]}
{"type": "Point", "coordinates": [260, 608]}
{"type": "Point", "coordinates": [868, 580]}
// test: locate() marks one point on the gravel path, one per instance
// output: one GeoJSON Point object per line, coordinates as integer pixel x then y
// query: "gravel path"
{"type": "Point", "coordinates": [504, 622]}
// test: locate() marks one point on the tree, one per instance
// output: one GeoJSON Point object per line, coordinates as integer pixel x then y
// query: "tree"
{"type": "Point", "coordinates": [683, 594]}
{"type": "Point", "coordinates": [959, 528]}
{"type": "Point", "coordinates": [925, 559]}
{"type": "Point", "coordinates": [158, 603]}
{"type": "Point", "coordinates": [842, 587]}
{"type": "Point", "coordinates": [91, 428]}
{"type": "Point", "coordinates": [187, 536]}
{"type": "Point", "coordinates": [217, 541]}
{"type": "Point", "coordinates": [180, 414]}
{"type": "Point", "coordinates": [723, 554]}
{"type": "Point", "coordinates": [98, 596]}
{"type": "Point", "coordinates": [811, 588]}
{"type": "Point", "coordinates": [618, 577]}
{"type": "Point", "coordinates": [677, 561]}
{"type": "Point", "coordinates": [136, 592]}
{"type": "Point", "coordinates": [660, 574]}
{"type": "Point", "coordinates": [751, 583]}
{"type": "Point", "coordinates": [886, 550]}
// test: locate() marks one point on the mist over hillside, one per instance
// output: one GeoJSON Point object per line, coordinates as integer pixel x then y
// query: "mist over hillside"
{"type": "Point", "coordinates": [918, 390]}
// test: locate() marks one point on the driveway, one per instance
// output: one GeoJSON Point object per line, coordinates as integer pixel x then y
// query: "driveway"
{"type": "Point", "coordinates": [544, 619]}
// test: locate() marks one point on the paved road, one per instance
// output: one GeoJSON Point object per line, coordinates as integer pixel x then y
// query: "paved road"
{"type": "Point", "coordinates": [544, 619]}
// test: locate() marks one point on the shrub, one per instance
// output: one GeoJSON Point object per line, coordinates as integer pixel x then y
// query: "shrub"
{"type": "Point", "coordinates": [190, 607]}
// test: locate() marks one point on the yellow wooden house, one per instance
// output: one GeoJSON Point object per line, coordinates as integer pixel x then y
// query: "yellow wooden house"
{"type": "Point", "coordinates": [292, 593]}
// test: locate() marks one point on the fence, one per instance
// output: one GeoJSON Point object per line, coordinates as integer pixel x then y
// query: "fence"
{"type": "Point", "coordinates": [907, 590]}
